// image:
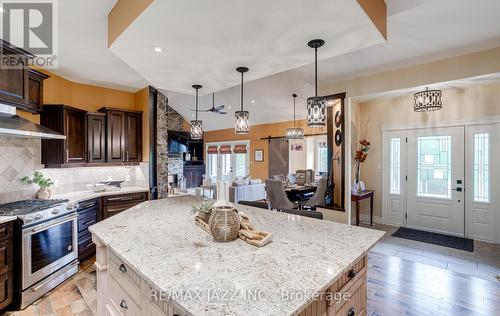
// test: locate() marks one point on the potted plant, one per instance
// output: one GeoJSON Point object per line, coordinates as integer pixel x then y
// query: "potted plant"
{"type": "Point", "coordinates": [42, 182]}
{"type": "Point", "coordinates": [204, 210]}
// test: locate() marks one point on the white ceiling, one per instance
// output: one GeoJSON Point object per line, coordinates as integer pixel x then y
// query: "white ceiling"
{"type": "Point", "coordinates": [204, 41]}
{"type": "Point", "coordinates": [83, 49]}
{"type": "Point", "coordinates": [419, 31]}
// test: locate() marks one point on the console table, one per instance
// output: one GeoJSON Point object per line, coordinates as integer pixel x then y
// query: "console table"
{"type": "Point", "coordinates": [356, 198]}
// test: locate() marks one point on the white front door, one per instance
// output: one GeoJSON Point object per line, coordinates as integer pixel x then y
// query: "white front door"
{"type": "Point", "coordinates": [435, 185]}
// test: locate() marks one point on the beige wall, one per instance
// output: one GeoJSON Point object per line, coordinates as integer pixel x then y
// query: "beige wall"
{"type": "Point", "coordinates": [478, 101]}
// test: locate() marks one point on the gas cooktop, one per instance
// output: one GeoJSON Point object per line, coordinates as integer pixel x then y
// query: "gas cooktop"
{"type": "Point", "coordinates": [37, 211]}
{"type": "Point", "coordinates": [28, 206]}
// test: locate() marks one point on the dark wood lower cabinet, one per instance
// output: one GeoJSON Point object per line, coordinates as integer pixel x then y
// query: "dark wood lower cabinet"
{"type": "Point", "coordinates": [194, 175]}
{"type": "Point", "coordinates": [95, 210]}
{"type": "Point", "coordinates": [6, 265]}
{"type": "Point", "coordinates": [112, 205]}
{"type": "Point", "coordinates": [87, 216]}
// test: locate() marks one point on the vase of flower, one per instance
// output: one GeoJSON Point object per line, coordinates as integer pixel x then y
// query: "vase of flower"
{"type": "Point", "coordinates": [42, 182]}
{"type": "Point", "coordinates": [359, 158]}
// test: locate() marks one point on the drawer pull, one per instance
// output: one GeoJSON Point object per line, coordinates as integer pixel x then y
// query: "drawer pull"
{"type": "Point", "coordinates": [88, 245]}
{"type": "Point", "coordinates": [123, 268]}
{"type": "Point", "coordinates": [351, 312]}
{"type": "Point", "coordinates": [121, 199]}
{"type": "Point", "coordinates": [123, 305]}
{"type": "Point", "coordinates": [351, 274]}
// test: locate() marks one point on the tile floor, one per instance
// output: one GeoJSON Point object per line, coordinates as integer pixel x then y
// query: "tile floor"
{"type": "Point", "coordinates": [398, 272]}
{"type": "Point", "coordinates": [484, 262]}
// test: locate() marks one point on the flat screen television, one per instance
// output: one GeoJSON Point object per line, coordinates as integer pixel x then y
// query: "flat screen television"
{"type": "Point", "coordinates": [177, 142]}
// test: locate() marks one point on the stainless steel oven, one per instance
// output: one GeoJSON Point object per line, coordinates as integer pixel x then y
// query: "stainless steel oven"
{"type": "Point", "coordinates": [49, 250]}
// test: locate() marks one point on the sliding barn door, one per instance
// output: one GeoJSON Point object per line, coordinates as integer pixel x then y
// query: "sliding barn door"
{"type": "Point", "coordinates": [278, 157]}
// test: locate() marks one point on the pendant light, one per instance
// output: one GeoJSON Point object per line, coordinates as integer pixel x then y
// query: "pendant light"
{"type": "Point", "coordinates": [196, 125]}
{"type": "Point", "coordinates": [316, 106]}
{"type": "Point", "coordinates": [242, 118]}
{"type": "Point", "coordinates": [294, 132]}
{"type": "Point", "coordinates": [428, 100]}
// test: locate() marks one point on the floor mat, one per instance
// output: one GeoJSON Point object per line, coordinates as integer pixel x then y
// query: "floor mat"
{"type": "Point", "coordinates": [460, 243]}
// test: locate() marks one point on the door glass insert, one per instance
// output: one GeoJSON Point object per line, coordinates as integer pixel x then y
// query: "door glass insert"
{"type": "Point", "coordinates": [226, 167]}
{"type": "Point", "coordinates": [212, 166]}
{"type": "Point", "coordinates": [434, 166]}
{"type": "Point", "coordinates": [241, 165]}
{"type": "Point", "coordinates": [395, 166]}
{"type": "Point", "coordinates": [481, 168]}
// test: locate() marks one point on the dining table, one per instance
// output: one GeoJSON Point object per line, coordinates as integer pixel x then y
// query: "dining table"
{"type": "Point", "coordinates": [300, 192]}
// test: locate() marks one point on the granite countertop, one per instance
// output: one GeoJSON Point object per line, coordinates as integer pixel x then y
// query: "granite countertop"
{"type": "Point", "coordinates": [5, 219]}
{"type": "Point", "coordinates": [160, 240]}
{"type": "Point", "coordinates": [78, 196]}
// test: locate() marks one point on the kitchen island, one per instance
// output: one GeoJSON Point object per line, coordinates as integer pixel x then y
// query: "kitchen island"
{"type": "Point", "coordinates": [154, 260]}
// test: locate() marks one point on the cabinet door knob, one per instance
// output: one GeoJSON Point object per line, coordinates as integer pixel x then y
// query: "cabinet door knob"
{"type": "Point", "coordinates": [122, 268]}
{"type": "Point", "coordinates": [351, 312]}
{"type": "Point", "coordinates": [351, 274]}
{"type": "Point", "coordinates": [123, 305]}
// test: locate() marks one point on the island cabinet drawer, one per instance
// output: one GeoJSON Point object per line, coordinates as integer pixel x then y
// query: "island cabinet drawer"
{"type": "Point", "coordinates": [121, 302]}
{"type": "Point", "coordinates": [124, 275]}
{"type": "Point", "coordinates": [355, 303]}
{"type": "Point", "coordinates": [350, 276]}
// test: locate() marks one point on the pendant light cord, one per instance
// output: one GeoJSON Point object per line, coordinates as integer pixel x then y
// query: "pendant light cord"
{"type": "Point", "coordinates": [242, 91]}
{"type": "Point", "coordinates": [294, 111]}
{"type": "Point", "coordinates": [316, 72]}
{"type": "Point", "coordinates": [196, 104]}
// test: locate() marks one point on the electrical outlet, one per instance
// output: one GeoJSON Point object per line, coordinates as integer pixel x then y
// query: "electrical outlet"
{"type": "Point", "coordinates": [127, 177]}
{"type": "Point", "coordinates": [56, 183]}
{"type": "Point", "coordinates": [110, 178]}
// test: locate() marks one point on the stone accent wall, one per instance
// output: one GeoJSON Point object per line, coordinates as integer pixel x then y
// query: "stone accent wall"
{"type": "Point", "coordinates": [175, 120]}
{"type": "Point", "coordinates": [162, 145]}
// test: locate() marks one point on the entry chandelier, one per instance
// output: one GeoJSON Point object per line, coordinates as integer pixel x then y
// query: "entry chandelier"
{"type": "Point", "coordinates": [196, 125]}
{"type": "Point", "coordinates": [242, 118]}
{"type": "Point", "coordinates": [316, 106]}
{"type": "Point", "coordinates": [294, 132]}
{"type": "Point", "coordinates": [428, 100]}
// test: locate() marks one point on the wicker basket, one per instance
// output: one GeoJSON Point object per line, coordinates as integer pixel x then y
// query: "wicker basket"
{"type": "Point", "coordinates": [224, 223]}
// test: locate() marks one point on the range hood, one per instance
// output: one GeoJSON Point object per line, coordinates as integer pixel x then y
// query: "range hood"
{"type": "Point", "coordinates": [14, 125]}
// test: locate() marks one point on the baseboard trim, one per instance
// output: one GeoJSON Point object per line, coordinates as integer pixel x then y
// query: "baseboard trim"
{"type": "Point", "coordinates": [365, 218]}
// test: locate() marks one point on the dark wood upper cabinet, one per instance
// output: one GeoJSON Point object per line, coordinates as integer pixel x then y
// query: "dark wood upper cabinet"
{"type": "Point", "coordinates": [35, 89]}
{"type": "Point", "coordinates": [133, 146]}
{"type": "Point", "coordinates": [123, 135]}
{"type": "Point", "coordinates": [96, 137]}
{"type": "Point", "coordinates": [70, 122]}
{"type": "Point", "coordinates": [21, 87]}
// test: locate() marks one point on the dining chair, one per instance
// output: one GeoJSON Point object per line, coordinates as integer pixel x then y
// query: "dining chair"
{"type": "Point", "coordinates": [319, 196]}
{"type": "Point", "coordinates": [276, 195]}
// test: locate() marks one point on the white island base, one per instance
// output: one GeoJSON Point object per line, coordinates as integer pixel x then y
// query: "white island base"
{"type": "Point", "coordinates": [154, 260]}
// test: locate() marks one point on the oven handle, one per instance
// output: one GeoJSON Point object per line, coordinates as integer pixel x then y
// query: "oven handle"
{"type": "Point", "coordinates": [34, 289]}
{"type": "Point", "coordinates": [63, 220]}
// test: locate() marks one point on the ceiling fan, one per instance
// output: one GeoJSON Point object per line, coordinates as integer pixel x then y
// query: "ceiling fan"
{"type": "Point", "coordinates": [213, 109]}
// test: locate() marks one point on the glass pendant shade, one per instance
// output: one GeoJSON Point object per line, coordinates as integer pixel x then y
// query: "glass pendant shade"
{"type": "Point", "coordinates": [428, 100]}
{"type": "Point", "coordinates": [242, 122]}
{"type": "Point", "coordinates": [294, 133]}
{"type": "Point", "coordinates": [196, 129]}
{"type": "Point", "coordinates": [316, 112]}
{"type": "Point", "coordinates": [241, 117]}
{"type": "Point", "coordinates": [316, 106]}
{"type": "Point", "coordinates": [196, 125]}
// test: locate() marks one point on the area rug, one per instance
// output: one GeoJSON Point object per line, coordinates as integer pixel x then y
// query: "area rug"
{"type": "Point", "coordinates": [460, 243]}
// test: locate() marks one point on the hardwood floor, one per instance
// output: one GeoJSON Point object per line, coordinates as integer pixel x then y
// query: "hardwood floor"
{"type": "Point", "coordinates": [418, 283]}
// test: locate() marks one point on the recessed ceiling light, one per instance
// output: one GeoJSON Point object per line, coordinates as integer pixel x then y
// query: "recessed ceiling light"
{"type": "Point", "coordinates": [253, 101]}
{"type": "Point", "coordinates": [157, 49]}
{"type": "Point", "coordinates": [229, 106]}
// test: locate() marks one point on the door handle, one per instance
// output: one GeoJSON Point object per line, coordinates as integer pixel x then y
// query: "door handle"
{"type": "Point", "coordinates": [457, 189]}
